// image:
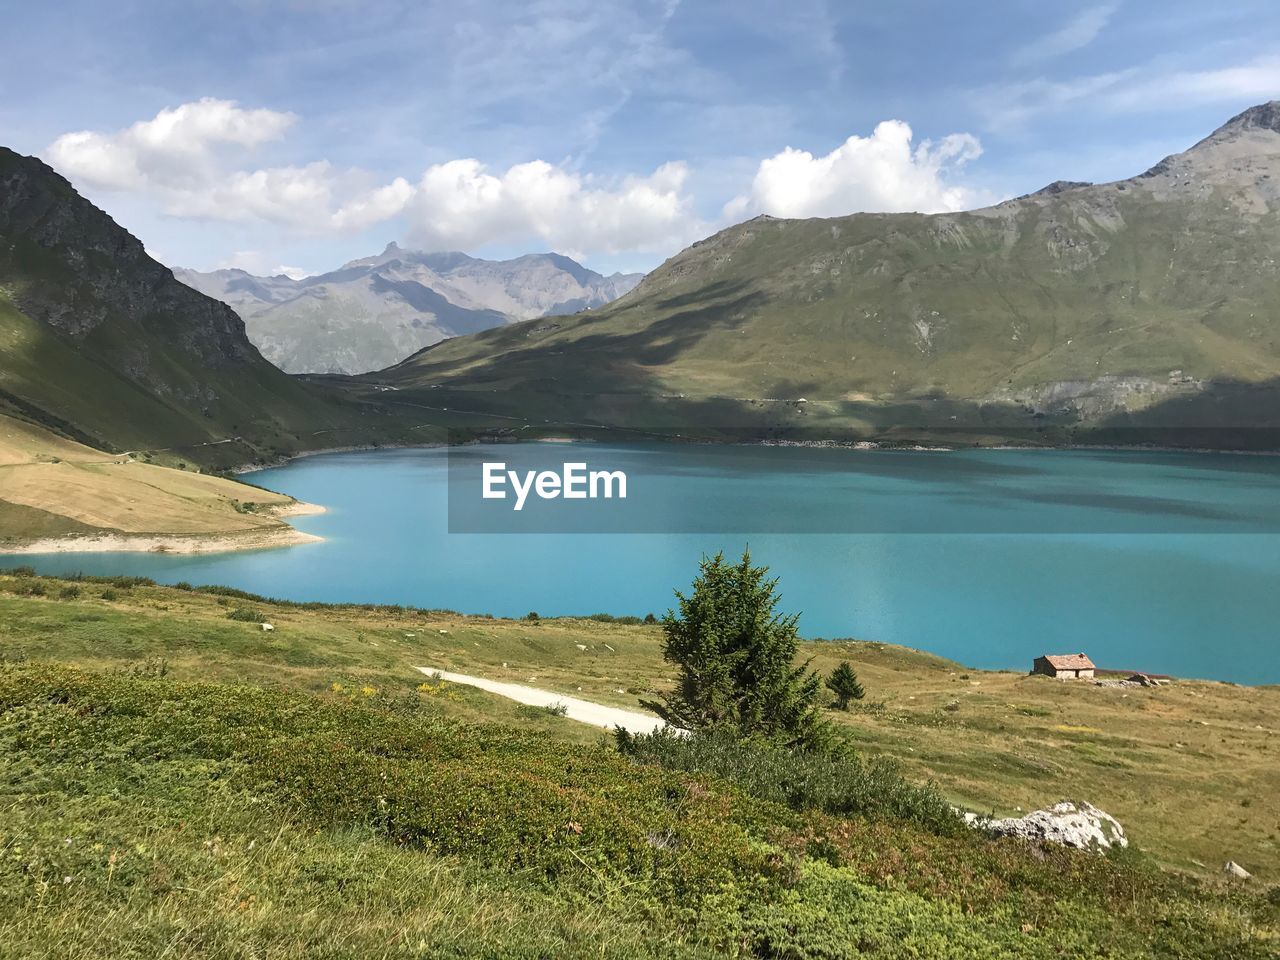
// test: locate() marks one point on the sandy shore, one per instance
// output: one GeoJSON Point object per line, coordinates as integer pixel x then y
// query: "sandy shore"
{"type": "Point", "coordinates": [299, 509]}
{"type": "Point", "coordinates": [162, 543]}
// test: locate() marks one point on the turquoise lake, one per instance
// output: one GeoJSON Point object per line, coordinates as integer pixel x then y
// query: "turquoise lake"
{"type": "Point", "coordinates": [1161, 562]}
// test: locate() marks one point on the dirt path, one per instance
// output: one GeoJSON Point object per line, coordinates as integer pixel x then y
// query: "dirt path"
{"type": "Point", "coordinates": [584, 711]}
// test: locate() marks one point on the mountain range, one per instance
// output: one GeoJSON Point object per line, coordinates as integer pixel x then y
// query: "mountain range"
{"type": "Point", "coordinates": [1150, 301]}
{"type": "Point", "coordinates": [1143, 310]}
{"type": "Point", "coordinates": [374, 312]}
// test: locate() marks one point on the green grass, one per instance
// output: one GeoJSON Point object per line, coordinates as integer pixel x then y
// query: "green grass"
{"type": "Point", "coordinates": [1188, 769]}
{"type": "Point", "coordinates": [142, 815]}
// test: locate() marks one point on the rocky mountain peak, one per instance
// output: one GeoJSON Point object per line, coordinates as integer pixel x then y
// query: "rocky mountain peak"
{"type": "Point", "coordinates": [1264, 116]}
{"type": "Point", "coordinates": [373, 312]}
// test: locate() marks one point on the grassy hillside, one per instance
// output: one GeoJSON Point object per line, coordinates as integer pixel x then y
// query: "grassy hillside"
{"type": "Point", "coordinates": [1188, 769]}
{"type": "Point", "coordinates": [1077, 307]}
{"type": "Point", "coordinates": [311, 797]}
{"type": "Point", "coordinates": [51, 486]}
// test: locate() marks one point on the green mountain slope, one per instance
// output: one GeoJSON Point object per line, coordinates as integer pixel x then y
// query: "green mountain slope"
{"type": "Point", "coordinates": [101, 343]}
{"type": "Point", "coordinates": [1077, 306]}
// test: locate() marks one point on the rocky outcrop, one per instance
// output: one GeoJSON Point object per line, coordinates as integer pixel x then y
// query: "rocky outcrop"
{"type": "Point", "coordinates": [96, 273]}
{"type": "Point", "coordinates": [1069, 823]}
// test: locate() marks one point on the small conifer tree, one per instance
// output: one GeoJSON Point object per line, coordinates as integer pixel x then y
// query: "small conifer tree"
{"type": "Point", "coordinates": [736, 660]}
{"type": "Point", "coordinates": [843, 682]}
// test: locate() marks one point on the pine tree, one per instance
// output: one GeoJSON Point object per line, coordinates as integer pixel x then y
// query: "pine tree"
{"type": "Point", "coordinates": [843, 682]}
{"type": "Point", "coordinates": [736, 659]}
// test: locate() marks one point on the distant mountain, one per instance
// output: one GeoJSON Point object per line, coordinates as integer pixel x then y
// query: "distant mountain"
{"type": "Point", "coordinates": [374, 312]}
{"type": "Point", "coordinates": [1082, 306]}
{"type": "Point", "coordinates": [101, 344]}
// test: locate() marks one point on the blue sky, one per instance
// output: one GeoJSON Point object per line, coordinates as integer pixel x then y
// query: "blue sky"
{"type": "Point", "coordinates": [304, 133]}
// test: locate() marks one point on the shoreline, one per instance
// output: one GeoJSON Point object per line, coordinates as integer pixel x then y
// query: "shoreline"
{"type": "Point", "coordinates": [322, 451]}
{"type": "Point", "coordinates": [179, 544]}
{"type": "Point", "coordinates": [853, 446]}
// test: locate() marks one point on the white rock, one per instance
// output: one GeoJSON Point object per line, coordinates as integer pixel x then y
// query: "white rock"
{"type": "Point", "coordinates": [1070, 823]}
{"type": "Point", "coordinates": [266, 628]}
{"type": "Point", "coordinates": [1233, 869]}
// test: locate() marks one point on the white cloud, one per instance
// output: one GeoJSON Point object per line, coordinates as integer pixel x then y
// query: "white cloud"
{"type": "Point", "coordinates": [373, 206]}
{"type": "Point", "coordinates": [1132, 90]}
{"type": "Point", "coordinates": [881, 173]}
{"type": "Point", "coordinates": [174, 148]}
{"type": "Point", "coordinates": [1256, 80]}
{"type": "Point", "coordinates": [174, 159]}
{"type": "Point", "coordinates": [182, 157]}
{"type": "Point", "coordinates": [315, 198]}
{"type": "Point", "coordinates": [185, 161]}
{"type": "Point", "coordinates": [1078, 32]}
{"type": "Point", "coordinates": [460, 204]}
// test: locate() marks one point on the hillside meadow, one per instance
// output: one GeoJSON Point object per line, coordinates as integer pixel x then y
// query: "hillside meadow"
{"type": "Point", "coordinates": [1188, 768]}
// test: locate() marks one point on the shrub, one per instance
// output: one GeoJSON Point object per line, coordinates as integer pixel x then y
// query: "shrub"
{"type": "Point", "coordinates": [532, 616]}
{"type": "Point", "coordinates": [525, 802]}
{"type": "Point", "coordinates": [837, 782]}
{"type": "Point", "coordinates": [245, 615]}
{"type": "Point", "coordinates": [537, 713]}
{"type": "Point", "coordinates": [69, 592]}
{"type": "Point", "coordinates": [610, 618]}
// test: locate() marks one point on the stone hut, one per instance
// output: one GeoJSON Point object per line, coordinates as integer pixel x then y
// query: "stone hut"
{"type": "Point", "coordinates": [1064, 666]}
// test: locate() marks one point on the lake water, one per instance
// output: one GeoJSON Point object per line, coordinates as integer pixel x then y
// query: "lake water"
{"type": "Point", "coordinates": [1167, 563]}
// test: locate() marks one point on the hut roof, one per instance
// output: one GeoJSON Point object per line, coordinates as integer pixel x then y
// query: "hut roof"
{"type": "Point", "coordinates": [1069, 661]}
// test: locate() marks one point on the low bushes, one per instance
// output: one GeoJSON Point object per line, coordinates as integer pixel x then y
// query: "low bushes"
{"type": "Point", "coordinates": [520, 801]}
{"type": "Point", "coordinates": [837, 782]}
{"type": "Point", "coordinates": [246, 615]}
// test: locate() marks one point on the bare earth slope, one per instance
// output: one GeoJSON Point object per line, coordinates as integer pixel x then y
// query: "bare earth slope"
{"type": "Point", "coordinates": [60, 495]}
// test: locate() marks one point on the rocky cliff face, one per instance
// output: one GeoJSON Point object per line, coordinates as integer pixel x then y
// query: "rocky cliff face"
{"type": "Point", "coordinates": [99, 273]}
